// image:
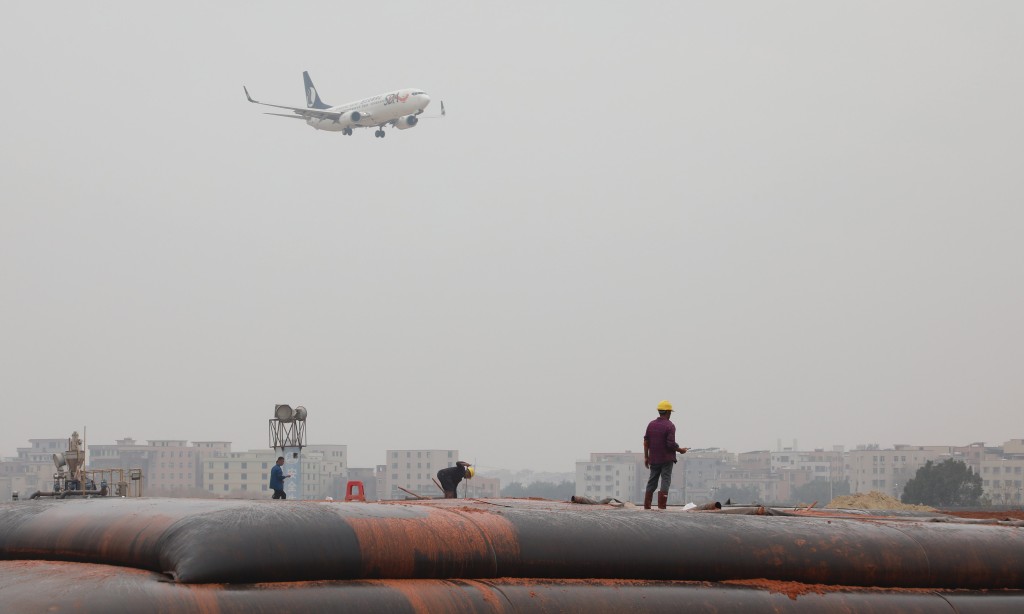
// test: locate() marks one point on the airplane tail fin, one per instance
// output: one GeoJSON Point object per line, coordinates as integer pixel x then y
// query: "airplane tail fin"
{"type": "Point", "coordinates": [312, 98]}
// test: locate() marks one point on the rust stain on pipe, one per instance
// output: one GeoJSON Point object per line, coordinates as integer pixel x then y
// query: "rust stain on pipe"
{"type": "Point", "coordinates": [444, 543]}
{"type": "Point", "coordinates": [86, 588]}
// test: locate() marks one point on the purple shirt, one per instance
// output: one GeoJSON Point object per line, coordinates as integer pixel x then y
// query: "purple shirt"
{"type": "Point", "coordinates": [661, 441]}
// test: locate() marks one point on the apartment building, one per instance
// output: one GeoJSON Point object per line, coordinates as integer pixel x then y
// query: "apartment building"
{"type": "Point", "coordinates": [239, 475]}
{"type": "Point", "coordinates": [695, 477]}
{"type": "Point", "coordinates": [618, 475]}
{"type": "Point", "coordinates": [1002, 474]}
{"type": "Point", "coordinates": [246, 475]}
{"type": "Point", "coordinates": [324, 471]}
{"type": "Point", "coordinates": [887, 471]}
{"type": "Point", "coordinates": [742, 478]}
{"type": "Point", "coordinates": [413, 470]}
{"type": "Point", "coordinates": [170, 467]}
{"type": "Point", "coordinates": [481, 488]}
{"type": "Point", "coordinates": [32, 469]}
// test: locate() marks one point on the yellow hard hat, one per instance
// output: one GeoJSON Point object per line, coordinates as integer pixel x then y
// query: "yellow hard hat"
{"type": "Point", "coordinates": [470, 472]}
{"type": "Point", "coordinates": [664, 406]}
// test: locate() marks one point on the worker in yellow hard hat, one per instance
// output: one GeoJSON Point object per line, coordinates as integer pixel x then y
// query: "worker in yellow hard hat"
{"type": "Point", "coordinates": [660, 450]}
{"type": "Point", "coordinates": [451, 477]}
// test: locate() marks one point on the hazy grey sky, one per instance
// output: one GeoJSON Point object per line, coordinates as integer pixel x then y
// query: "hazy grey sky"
{"type": "Point", "coordinates": [792, 219]}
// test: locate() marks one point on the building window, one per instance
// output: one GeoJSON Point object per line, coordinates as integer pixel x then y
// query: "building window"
{"type": "Point", "coordinates": [225, 476]}
{"type": "Point", "coordinates": [245, 476]}
{"type": "Point", "coordinates": [225, 465]}
{"type": "Point", "coordinates": [245, 465]}
{"type": "Point", "coordinates": [211, 486]}
{"type": "Point", "coordinates": [225, 487]}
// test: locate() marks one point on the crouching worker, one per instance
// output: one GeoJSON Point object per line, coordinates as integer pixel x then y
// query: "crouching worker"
{"type": "Point", "coordinates": [451, 477]}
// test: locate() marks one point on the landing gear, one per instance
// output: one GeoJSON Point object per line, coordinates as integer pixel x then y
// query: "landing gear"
{"type": "Point", "coordinates": [347, 131]}
{"type": "Point", "coordinates": [379, 134]}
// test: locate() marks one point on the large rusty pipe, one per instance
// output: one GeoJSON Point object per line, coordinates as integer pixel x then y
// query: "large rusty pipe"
{"type": "Point", "coordinates": [40, 586]}
{"type": "Point", "coordinates": [210, 541]}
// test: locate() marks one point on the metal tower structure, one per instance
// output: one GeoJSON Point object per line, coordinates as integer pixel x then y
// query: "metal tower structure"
{"type": "Point", "coordinates": [288, 436]}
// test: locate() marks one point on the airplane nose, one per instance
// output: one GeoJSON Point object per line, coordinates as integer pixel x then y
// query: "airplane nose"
{"type": "Point", "coordinates": [426, 100]}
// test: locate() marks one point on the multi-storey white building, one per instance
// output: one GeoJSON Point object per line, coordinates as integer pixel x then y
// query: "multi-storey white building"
{"type": "Point", "coordinates": [170, 467]}
{"type": "Point", "coordinates": [32, 470]}
{"type": "Point", "coordinates": [481, 488]}
{"type": "Point", "coordinates": [246, 475]}
{"type": "Point", "coordinates": [616, 475]}
{"type": "Point", "coordinates": [695, 478]}
{"type": "Point", "coordinates": [1002, 474]}
{"type": "Point", "coordinates": [241, 475]}
{"type": "Point", "coordinates": [324, 471]}
{"type": "Point", "coordinates": [887, 471]}
{"type": "Point", "coordinates": [414, 470]}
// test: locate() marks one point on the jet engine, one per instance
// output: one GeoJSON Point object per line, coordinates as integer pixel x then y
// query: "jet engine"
{"type": "Point", "coordinates": [406, 122]}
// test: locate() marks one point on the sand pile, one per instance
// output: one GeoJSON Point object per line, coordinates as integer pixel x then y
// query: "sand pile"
{"type": "Point", "coordinates": [874, 500]}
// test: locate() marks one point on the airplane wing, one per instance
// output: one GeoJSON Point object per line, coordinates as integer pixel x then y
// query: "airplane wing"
{"type": "Point", "coordinates": [299, 111]}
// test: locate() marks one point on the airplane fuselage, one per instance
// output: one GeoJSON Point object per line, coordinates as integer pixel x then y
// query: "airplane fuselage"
{"type": "Point", "coordinates": [376, 111]}
{"type": "Point", "coordinates": [399, 109]}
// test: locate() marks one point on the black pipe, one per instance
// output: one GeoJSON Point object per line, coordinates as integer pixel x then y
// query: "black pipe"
{"type": "Point", "coordinates": [39, 586]}
{"type": "Point", "coordinates": [224, 541]}
{"type": "Point", "coordinates": [77, 493]}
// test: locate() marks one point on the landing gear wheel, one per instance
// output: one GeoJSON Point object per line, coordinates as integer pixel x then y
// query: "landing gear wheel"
{"type": "Point", "coordinates": [377, 134]}
{"type": "Point", "coordinates": [347, 132]}
{"type": "Point", "coordinates": [382, 134]}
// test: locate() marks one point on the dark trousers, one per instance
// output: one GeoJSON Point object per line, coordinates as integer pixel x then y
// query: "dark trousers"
{"type": "Point", "coordinates": [279, 494]}
{"type": "Point", "coordinates": [449, 479]}
{"type": "Point", "coordinates": [663, 471]}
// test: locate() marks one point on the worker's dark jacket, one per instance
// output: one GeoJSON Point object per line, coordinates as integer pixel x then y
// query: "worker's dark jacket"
{"type": "Point", "coordinates": [276, 478]}
{"type": "Point", "coordinates": [451, 477]}
{"type": "Point", "coordinates": [661, 441]}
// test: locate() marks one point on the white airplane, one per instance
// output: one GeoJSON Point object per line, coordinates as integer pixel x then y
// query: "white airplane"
{"type": "Point", "coordinates": [400, 109]}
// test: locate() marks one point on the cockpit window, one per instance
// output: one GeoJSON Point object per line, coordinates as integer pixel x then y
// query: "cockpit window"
{"type": "Point", "coordinates": [419, 93]}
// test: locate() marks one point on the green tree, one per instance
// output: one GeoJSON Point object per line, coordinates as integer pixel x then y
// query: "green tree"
{"type": "Point", "coordinates": [820, 491]}
{"type": "Point", "coordinates": [948, 483]}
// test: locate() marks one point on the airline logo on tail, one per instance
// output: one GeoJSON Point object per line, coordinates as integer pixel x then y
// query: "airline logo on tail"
{"type": "Point", "coordinates": [310, 95]}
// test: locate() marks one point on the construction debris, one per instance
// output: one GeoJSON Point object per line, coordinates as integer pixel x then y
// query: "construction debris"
{"type": "Point", "coordinates": [874, 500]}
